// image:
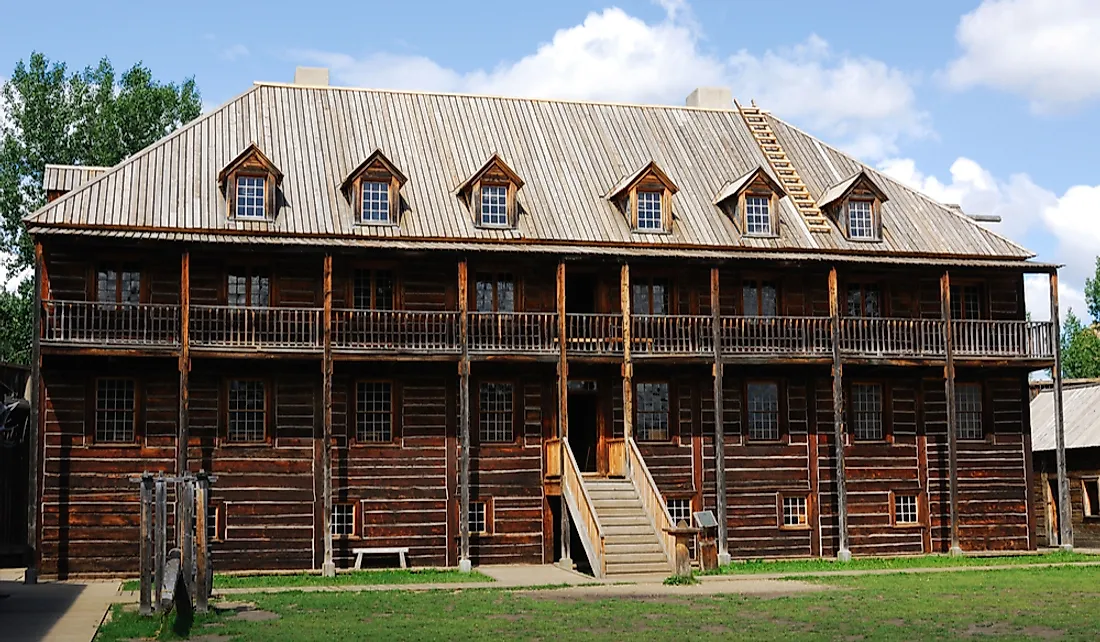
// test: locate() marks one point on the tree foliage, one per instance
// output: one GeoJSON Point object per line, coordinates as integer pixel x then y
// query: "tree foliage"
{"type": "Point", "coordinates": [1080, 349]}
{"type": "Point", "coordinates": [91, 117]}
{"type": "Point", "coordinates": [1092, 293]}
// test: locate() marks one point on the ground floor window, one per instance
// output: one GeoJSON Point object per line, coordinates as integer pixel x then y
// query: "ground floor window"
{"type": "Point", "coordinates": [479, 518]}
{"type": "Point", "coordinates": [343, 520]}
{"type": "Point", "coordinates": [795, 513]}
{"type": "Point", "coordinates": [1091, 494]}
{"type": "Point", "coordinates": [905, 509]}
{"type": "Point", "coordinates": [680, 510]}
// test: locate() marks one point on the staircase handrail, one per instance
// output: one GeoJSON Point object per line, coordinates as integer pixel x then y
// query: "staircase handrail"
{"type": "Point", "coordinates": [652, 500]}
{"type": "Point", "coordinates": [580, 504]}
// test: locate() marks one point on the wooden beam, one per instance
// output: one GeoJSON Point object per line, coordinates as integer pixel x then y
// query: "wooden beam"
{"type": "Point", "coordinates": [563, 408]}
{"type": "Point", "coordinates": [145, 547]}
{"type": "Point", "coordinates": [41, 286]}
{"type": "Point", "coordinates": [464, 563]}
{"type": "Point", "coordinates": [185, 517]}
{"type": "Point", "coordinates": [843, 552]}
{"type": "Point", "coordinates": [719, 426]}
{"type": "Point", "coordinates": [328, 568]}
{"type": "Point", "coordinates": [160, 537]}
{"type": "Point", "coordinates": [952, 427]}
{"type": "Point", "coordinates": [1065, 509]}
{"type": "Point", "coordinates": [184, 427]}
{"type": "Point", "coordinates": [628, 365]}
{"type": "Point", "coordinates": [202, 545]}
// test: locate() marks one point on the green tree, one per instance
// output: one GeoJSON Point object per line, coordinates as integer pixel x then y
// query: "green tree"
{"type": "Point", "coordinates": [48, 115]}
{"type": "Point", "coordinates": [1080, 349]}
{"type": "Point", "coordinates": [1092, 293]}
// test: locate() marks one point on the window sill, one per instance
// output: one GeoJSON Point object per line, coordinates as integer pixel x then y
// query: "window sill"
{"type": "Point", "coordinates": [253, 219]}
{"type": "Point", "coordinates": [863, 240]}
{"type": "Point", "coordinates": [92, 443]}
{"type": "Point", "coordinates": [362, 445]}
{"type": "Point", "coordinates": [361, 223]}
{"type": "Point", "coordinates": [760, 236]}
{"type": "Point", "coordinates": [803, 527]}
{"type": "Point", "coordinates": [909, 526]}
{"type": "Point", "coordinates": [651, 232]}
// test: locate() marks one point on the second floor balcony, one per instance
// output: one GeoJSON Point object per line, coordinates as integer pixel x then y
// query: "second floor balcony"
{"type": "Point", "coordinates": [283, 329]}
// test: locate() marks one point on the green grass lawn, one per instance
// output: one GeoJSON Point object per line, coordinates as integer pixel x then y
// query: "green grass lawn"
{"type": "Point", "coordinates": [351, 578]}
{"type": "Point", "coordinates": [896, 563]}
{"type": "Point", "coordinates": [1046, 603]}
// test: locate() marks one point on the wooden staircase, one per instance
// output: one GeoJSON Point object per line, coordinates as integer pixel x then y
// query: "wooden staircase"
{"type": "Point", "coordinates": [784, 170]}
{"type": "Point", "coordinates": [631, 543]}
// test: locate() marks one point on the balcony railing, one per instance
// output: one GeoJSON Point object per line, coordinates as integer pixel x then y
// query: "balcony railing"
{"type": "Point", "coordinates": [222, 326]}
{"type": "Point", "coordinates": [513, 332]}
{"type": "Point", "coordinates": [594, 334]}
{"type": "Point", "coordinates": [395, 331]}
{"type": "Point", "coordinates": [1004, 339]}
{"type": "Point", "coordinates": [788, 336]}
{"type": "Point", "coordinates": [110, 324]}
{"type": "Point", "coordinates": [671, 334]}
{"type": "Point", "coordinates": [892, 338]}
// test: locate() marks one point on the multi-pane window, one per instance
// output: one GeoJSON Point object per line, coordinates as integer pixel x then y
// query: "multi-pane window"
{"type": "Point", "coordinates": [649, 296]}
{"type": "Point", "coordinates": [763, 410]}
{"type": "Point", "coordinates": [867, 411]}
{"type": "Point", "coordinates": [794, 511]}
{"type": "Point", "coordinates": [758, 216]}
{"type": "Point", "coordinates": [373, 290]}
{"type": "Point", "coordinates": [374, 411]}
{"type": "Point", "coordinates": [375, 202]}
{"type": "Point", "coordinates": [651, 400]}
{"type": "Point", "coordinates": [247, 411]}
{"type": "Point", "coordinates": [495, 412]}
{"type": "Point", "coordinates": [864, 300]}
{"type": "Point", "coordinates": [343, 520]}
{"type": "Point", "coordinates": [212, 522]}
{"type": "Point", "coordinates": [861, 220]}
{"type": "Point", "coordinates": [649, 211]}
{"type": "Point", "coordinates": [968, 411]}
{"type": "Point", "coordinates": [115, 400]}
{"type": "Point", "coordinates": [495, 293]}
{"type": "Point", "coordinates": [479, 517]}
{"type": "Point", "coordinates": [248, 288]}
{"type": "Point", "coordinates": [966, 302]}
{"type": "Point", "coordinates": [679, 510]}
{"type": "Point", "coordinates": [760, 299]}
{"type": "Point", "coordinates": [118, 285]}
{"type": "Point", "coordinates": [905, 509]}
{"type": "Point", "coordinates": [1091, 494]}
{"type": "Point", "coordinates": [250, 197]}
{"type": "Point", "coordinates": [494, 205]}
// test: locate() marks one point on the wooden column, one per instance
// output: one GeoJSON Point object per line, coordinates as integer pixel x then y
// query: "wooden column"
{"type": "Point", "coordinates": [328, 568]}
{"type": "Point", "coordinates": [1065, 509]}
{"type": "Point", "coordinates": [184, 428]}
{"type": "Point", "coordinates": [843, 553]}
{"type": "Point", "coordinates": [41, 289]}
{"type": "Point", "coordinates": [719, 426]}
{"type": "Point", "coordinates": [145, 547]}
{"type": "Point", "coordinates": [952, 427]}
{"type": "Point", "coordinates": [563, 411]}
{"type": "Point", "coordinates": [628, 365]}
{"type": "Point", "coordinates": [464, 563]}
{"type": "Point", "coordinates": [202, 544]}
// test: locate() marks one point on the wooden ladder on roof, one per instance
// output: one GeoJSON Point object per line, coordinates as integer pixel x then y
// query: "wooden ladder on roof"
{"type": "Point", "coordinates": [784, 170]}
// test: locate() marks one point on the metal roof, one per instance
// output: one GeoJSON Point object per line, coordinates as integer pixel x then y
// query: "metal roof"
{"type": "Point", "coordinates": [63, 178]}
{"type": "Point", "coordinates": [1081, 416]}
{"type": "Point", "coordinates": [570, 154]}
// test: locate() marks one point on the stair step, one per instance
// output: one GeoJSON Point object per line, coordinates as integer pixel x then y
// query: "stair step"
{"type": "Point", "coordinates": [636, 558]}
{"type": "Point", "coordinates": [631, 502]}
{"type": "Point", "coordinates": [626, 520]}
{"type": "Point", "coordinates": [639, 569]}
{"type": "Point", "coordinates": [629, 531]}
{"type": "Point", "coordinates": [634, 550]}
{"type": "Point", "coordinates": [647, 537]}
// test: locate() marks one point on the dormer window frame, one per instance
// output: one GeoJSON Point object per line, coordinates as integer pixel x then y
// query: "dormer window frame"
{"type": "Point", "coordinates": [252, 163]}
{"type": "Point", "coordinates": [494, 174]}
{"type": "Point", "coordinates": [857, 188]}
{"type": "Point", "coordinates": [773, 212]}
{"type": "Point", "coordinates": [734, 199]}
{"type": "Point", "coordinates": [481, 203]}
{"type": "Point", "coordinates": [873, 226]}
{"type": "Point", "coordinates": [376, 169]}
{"type": "Point", "coordinates": [650, 179]}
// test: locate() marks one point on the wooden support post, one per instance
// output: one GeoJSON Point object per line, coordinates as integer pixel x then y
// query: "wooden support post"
{"type": "Point", "coordinates": [202, 545]}
{"type": "Point", "coordinates": [183, 436]}
{"type": "Point", "coordinates": [952, 427]}
{"type": "Point", "coordinates": [628, 365]}
{"type": "Point", "coordinates": [41, 287]}
{"type": "Point", "coordinates": [160, 537]}
{"type": "Point", "coordinates": [563, 411]}
{"type": "Point", "coordinates": [1065, 509]}
{"type": "Point", "coordinates": [843, 553]}
{"type": "Point", "coordinates": [464, 563]}
{"type": "Point", "coordinates": [145, 562]}
{"type": "Point", "coordinates": [185, 517]}
{"type": "Point", "coordinates": [719, 424]}
{"type": "Point", "coordinates": [328, 568]}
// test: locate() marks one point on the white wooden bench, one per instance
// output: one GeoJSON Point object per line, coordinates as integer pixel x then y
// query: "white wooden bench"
{"type": "Point", "coordinates": [400, 551]}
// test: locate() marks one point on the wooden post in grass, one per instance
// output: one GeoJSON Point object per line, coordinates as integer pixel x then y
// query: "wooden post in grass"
{"type": "Point", "coordinates": [202, 552]}
{"type": "Point", "coordinates": [160, 538]}
{"type": "Point", "coordinates": [145, 564]}
{"type": "Point", "coordinates": [843, 553]}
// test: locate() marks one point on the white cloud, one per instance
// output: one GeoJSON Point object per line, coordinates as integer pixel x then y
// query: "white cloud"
{"type": "Point", "coordinates": [862, 103]}
{"type": "Point", "coordinates": [8, 281]}
{"type": "Point", "coordinates": [235, 52]}
{"type": "Point", "coordinates": [1044, 50]}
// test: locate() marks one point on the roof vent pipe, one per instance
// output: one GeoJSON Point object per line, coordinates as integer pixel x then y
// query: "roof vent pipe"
{"type": "Point", "coordinates": [311, 76]}
{"type": "Point", "coordinates": [711, 98]}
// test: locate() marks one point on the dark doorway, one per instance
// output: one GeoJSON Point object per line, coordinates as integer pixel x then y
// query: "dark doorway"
{"type": "Point", "coordinates": [584, 429]}
{"type": "Point", "coordinates": [580, 293]}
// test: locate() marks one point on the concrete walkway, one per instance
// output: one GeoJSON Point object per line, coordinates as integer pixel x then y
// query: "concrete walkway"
{"type": "Point", "coordinates": [54, 611]}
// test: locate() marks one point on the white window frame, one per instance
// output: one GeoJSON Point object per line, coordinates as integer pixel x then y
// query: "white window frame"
{"type": "Point", "coordinates": [679, 508]}
{"type": "Point", "coordinates": [861, 218]}
{"type": "Point", "coordinates": [343, 526]}
{"type": "Point", "coordinates": [758, 216]}
{"type": "Point", "coordinates": [493, 208]}
{"type": "Point", "coordinates": [250, 198]}
{"type": "Point", "coordinates": [794, 512]}
{"type": "Point", "coordinates": [374, 205]}
{"type": "Point", "coordinates": [486, 518]}
{"type": "Point", "coordinates": [910, 514]}
{"type": "Point", "coordinates": [651, 202]}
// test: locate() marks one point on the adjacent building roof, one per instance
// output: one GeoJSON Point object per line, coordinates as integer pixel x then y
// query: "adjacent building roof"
{"type": "Point", "coordinates": [65, 178]}
{"type": "Point", "coordinates": [1080, 412]}
{"type": "Point", "coordinates": [568, 153]}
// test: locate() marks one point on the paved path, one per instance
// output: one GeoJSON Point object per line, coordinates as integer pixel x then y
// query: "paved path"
{"type": "Point", "coordinates": [54, 611]}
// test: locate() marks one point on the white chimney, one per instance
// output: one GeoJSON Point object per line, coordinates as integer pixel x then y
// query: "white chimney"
{"type": "Point", "coordinates": [311, 76]}
{"type": "Point", "coordinates": [711, 98]}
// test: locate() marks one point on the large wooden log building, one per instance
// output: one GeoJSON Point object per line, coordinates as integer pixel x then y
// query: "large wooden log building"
{"type": "Point", "coordinates": [501, 330]}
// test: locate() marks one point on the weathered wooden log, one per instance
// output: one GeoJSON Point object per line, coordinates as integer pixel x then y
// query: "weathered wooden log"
{"type": "Point", "coordinates": [167, 588]}
{"type": "Point", "coordinates": [145, 565]}
{"type": "Point", "coordinates": [160, 535]}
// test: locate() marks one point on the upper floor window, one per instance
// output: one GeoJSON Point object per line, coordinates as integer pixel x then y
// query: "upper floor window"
{"type": "Point", "coordinates": [649, 296]}
{"type": "Point", "coordinates": [652, 415]}
{"type": "Point", "coordinates": [375, 201]}
{"type": "Point", "coordinates": [494, 205]}
{"type": "Point", "coordinates": [373, 290]}
{"type": "Point", "coordinates": [867, 419]}
{"type": "Point", "coordinates": [649, 211]}
{"type": "Point", "coordinates": [966, 302]}
{"type": "Point", "coordinates": [247, 413]}
{"type": "Point", "coordinates": [864, 300]}
{"type": "Point", "coordinates": [759, 299]}
{"type": "Point", "coordinates": [373, 190]}
{"type": "Point", "coordinates": [496, 415]}
{"type": "Point", "coordinates": [115, 416]}
{"type": "Point", "coordinates": [763, 410]}
{"type": "Point", "coordinates": [251, 197]}
{"type": "Point", "coordinates": [248, 288]}
{"type": "Point", "coordinates": [758, 216]}
{"type": "Point", "coordinates": [118, 285]}
{"type": "Point", "coordinates": [855, 203]}
{"type": "Point", "coordinates": [645, 197]}
{"type": "Point", "coordinates": [249, 183]}
{"type": "Point", "coordinates": [861, 220]}
{"type": "Point", "coordinates": [495, 293]}
{"type": "Point", "coordinates": [968, 411]}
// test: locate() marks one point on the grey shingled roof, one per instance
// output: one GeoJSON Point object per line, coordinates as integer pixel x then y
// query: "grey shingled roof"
{"type": "Point", "coordinates": [1081, 416]}
{"type": "Point", "coordinates": [63, 178]}
{"type": "Point", "coordinates": [569, 153]}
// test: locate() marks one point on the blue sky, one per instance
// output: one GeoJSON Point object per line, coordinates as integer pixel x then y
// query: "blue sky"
{"type": "Point", "coordinates": [994, 104]}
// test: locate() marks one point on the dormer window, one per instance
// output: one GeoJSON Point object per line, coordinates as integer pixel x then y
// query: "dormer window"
{"type": "Point", "coordinates": [249, 183]}
{"type": "Point", "coordinates": [855, 203]}
{"type": "Point", "coordinates": [491, 195]}
{"type": "Point", "coordinates": [374, 190]}
{"type": "Point", "coordinates": [752, 203]}
{"type": "Point", "coordinates": [645, 197]}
